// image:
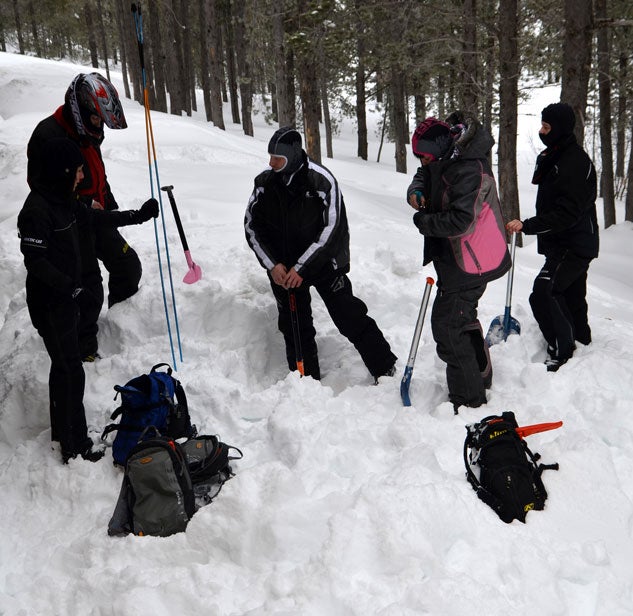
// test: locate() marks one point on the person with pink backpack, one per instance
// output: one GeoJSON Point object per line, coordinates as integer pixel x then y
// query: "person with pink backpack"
{"type": "Point", "coordinates": [457, 208]}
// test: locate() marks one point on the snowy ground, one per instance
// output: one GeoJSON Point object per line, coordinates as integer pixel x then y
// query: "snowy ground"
{"type": "Point", "coordinates": [345, 503]}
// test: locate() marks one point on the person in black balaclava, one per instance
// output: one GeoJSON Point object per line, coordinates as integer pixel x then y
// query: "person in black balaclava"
{"type": "Point", "coordinates": [49, 225]}
{"type": "Point", "coordinates": [296, 225]}
{"type": "Point", "coordinates": [566, 227]}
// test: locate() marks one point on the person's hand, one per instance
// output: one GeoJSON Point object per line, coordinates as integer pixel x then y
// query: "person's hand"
{"type": "Point", "coordinates": [514, 226]}
{"type": "Point", "coordinates": [95, 205]}
{"type": "Point", "coordinates": [148, 210]}
{"type": "Point", "coordinates": [416, 200]}
{"type": "Point", "coordinates": [293, 280]}
{"type": "Point", "coordinates": [278, 274]}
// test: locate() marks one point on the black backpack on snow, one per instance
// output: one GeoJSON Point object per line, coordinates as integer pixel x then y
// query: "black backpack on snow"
{"type": "Point", "coordinates": [509, 473]}
{"type": "Point", "coordinates": [155, 399]}
{"type": "Point", "coordinates": [166, 482]}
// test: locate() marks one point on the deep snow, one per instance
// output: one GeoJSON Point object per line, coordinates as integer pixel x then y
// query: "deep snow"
{"type": "Point", "coordinates": [345, 503]}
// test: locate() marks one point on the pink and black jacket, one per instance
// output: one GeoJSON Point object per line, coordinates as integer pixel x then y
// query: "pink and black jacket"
{"type": "Point", "coordinates": [462, 222]}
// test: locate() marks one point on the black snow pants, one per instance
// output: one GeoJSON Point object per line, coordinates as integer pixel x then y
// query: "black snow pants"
{"type": "Point", "coordinates": [348, 313]}
{"type": "Point", "coordinates": [559, 304]}
{"type": "Point", "coordinates": [460, 343]}
{"type": "Point", "coordinates": [58, 325]}
{"type": "Point", "coordinates": [122, 263]}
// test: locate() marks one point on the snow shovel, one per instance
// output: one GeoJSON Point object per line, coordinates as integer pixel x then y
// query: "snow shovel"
{"type": "Point", "coordinates": [408, 371]}
{"type": "Point", "coordinates": [505, 324]}
{"type": "Point", "coordinates": [194, 273]}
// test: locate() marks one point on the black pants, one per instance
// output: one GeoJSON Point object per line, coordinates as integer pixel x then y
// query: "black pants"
{"type": "Point", "coordinates": [90, 301]}
{"type": "Point", "coordinates": [349, 315]}
{"type": "Point", "coordinates": [122, 263]}
{"type": "Point", "coordinates": [58, 324]}
{"type": "Point", "coordinates": [559, 305]}
{"type": "Point", "coordinates": [460, 343]}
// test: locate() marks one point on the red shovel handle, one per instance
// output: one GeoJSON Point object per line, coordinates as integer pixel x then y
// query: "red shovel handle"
{"type": "Point", "coordinates": [524, 431]}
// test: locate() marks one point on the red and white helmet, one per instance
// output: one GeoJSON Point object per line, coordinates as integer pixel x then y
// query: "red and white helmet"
{"type": "Point", "coordinates": [93, 94]}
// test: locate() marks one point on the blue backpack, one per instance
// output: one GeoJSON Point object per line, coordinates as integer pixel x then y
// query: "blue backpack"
{"type": "Point", "coordinates": [156, 399]}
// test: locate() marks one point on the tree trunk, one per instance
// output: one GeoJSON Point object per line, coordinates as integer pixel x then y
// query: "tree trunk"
{"type": "Point", "coordinates": [102, 32]}
{"type": "Point", "coordinates": [604, 93]}
{"type": "Point", "coordinates": [231, 68]}
{"type": "Point", "coordinates": [131, 42]}
{"type": "Point", "coordinates": [399, 115]}
{"type": "Point", "coordinates": [18, 26]}
{"type": "Point", "coordinates": [244, 68]}
{"type": "Point", "coordinates": [122, 45]}
{"type": "Point", "coordinates": [172, 50]}
{"type": "Point", "coordinates": [577, 59]}
{"type": "Point", "coordinates": [327, 122]}
{"type": "Point", "coordinates": [286, 111]}
{"type": "Point", "coordinates": [361, 96]}
{"type": "Point", "coordinates": [216, 72]}
{"type": "Point", "coordinates": [621, 115]}
{"type": "Point", "coordinates": [469, 81]}
{"type": "Point", "coordinates": [187, 62]}
{"type": "Point", "coordinates": [205, 79]}
{"type": "Point", "coordinates": [310, 100]}
{"type": "Point", "coordinates": [158, 60]}
{"type": "Point", "coordinates": [628, 204]}
{"type": "Point", "coordinates": [508, 101]}
{"type": "Point", "coordinates": [36, 37]}
{"type": "Point", "coordinates": [92, 41]}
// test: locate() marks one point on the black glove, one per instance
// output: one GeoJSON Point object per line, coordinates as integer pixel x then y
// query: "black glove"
{"type": "Point", "coordinates": [148, 210]}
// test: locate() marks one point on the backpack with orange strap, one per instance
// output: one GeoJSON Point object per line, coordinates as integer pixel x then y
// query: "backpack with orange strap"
{"type": "Point", "coordinates": [502, 470]}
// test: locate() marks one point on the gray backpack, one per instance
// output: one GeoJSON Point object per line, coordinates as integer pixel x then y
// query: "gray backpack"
{"type": "Point", "coordinates": [156, 495]}
{"type": "Point", "coordinates": [166, 482]}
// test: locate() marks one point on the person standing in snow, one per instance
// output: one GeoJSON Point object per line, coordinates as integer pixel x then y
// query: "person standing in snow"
{"type": "Point", "coordinates": [296, 225]}
{"type": "Point", "coordinates": [457, 210]}
{"type": "Point", "coordinates": [90, 102]}
{"type": "Point", "coordinates": [49, 227]}
{"type": "Point", "coordinates": [566, 226]}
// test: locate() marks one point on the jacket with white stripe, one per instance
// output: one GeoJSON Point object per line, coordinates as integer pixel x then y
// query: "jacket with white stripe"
{"type": "Point", "coordinates": [299, 220]}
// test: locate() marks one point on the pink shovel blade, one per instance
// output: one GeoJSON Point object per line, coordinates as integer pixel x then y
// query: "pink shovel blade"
{"type": "Point", "coordinates": [195, 273]}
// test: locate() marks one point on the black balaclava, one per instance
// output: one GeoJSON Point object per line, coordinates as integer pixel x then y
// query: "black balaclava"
{"type": "Point", "coordinates": [561, 117]}
{"type": "Point", "coordinates": [286, 142]}
{"type": "Point", "coordinates": [60, 159]}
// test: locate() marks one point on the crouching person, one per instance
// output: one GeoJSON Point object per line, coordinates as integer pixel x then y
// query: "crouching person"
{"type": "Point", "coordinates": [49, 240]}
{"type": "Point", "coordinates": [458, 212]}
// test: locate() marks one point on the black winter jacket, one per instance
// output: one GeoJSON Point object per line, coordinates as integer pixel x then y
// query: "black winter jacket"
{"type": "Point", "coordinates": [461, 221]}
{"type": "Point", "coordinates": [565, 202]}
{"type": "Point", "coordinates": [49, 227]}
{"type": "Point", "coordinates": [299, 221]}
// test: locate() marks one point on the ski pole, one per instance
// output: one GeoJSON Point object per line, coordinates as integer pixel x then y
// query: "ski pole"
{"type": "Point", "coordinates": [294, 320]}
{"type": "Point", "coordinates": [408, 371]}
{"type": "Point", "coordinates": [195, 273]}
{"type": "Point", "coordinates": [151, 150]}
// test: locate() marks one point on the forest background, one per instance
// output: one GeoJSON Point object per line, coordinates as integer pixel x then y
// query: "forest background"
{"type": "Point", "coordinates": [312, 62]}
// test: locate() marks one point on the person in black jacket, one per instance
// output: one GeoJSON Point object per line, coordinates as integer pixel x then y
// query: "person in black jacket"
{"type": "Point", "coordinates": [566, 226]}
{"type": "Point", "coordinates": [49, 228]}
{"type": "Point", "coordinates": [296, 225]}
{"type": "Point", "coordinates": [90, 102]}
{"type": "Point", "coordinates": [457, 210]}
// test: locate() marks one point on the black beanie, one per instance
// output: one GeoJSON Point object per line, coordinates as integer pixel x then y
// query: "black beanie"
{"type": "Point", "coordinates": [562, 119]}
{"type": "Point", "coordinates": [286, 142]}
{"type": "Point", "coordinates": [60, 159]}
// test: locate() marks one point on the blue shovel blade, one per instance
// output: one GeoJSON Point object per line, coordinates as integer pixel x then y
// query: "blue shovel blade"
{"type": "Point", "coordinates": [498, 333]}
